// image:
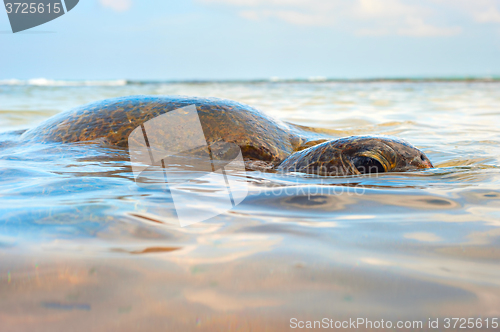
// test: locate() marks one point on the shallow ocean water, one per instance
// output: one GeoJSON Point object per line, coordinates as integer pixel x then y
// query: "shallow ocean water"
{"type": "Point", "coordinates": [76, 248]}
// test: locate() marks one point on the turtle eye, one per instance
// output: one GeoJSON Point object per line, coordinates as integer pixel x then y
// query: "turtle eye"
{"type": "Point", "coordinates": [366, 165]}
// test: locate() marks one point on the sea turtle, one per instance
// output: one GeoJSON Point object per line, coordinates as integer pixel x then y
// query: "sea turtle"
{"type": "Point", "coordinates": [279, 145]}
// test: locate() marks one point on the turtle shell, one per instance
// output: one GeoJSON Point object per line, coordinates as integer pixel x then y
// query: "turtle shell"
{"type": "Point", "coordinates": [112, 121]}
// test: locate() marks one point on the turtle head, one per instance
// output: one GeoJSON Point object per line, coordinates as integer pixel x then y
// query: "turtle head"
{"type": "Point", "coordinates": [357, 155]}
{"type": "Point", "coordinates": [383, 154]}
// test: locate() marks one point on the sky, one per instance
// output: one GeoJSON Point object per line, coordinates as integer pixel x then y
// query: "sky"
{"type": "Point", "coordinates": [258, 39]}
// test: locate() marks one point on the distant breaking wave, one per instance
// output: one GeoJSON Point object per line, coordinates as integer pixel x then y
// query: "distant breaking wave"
{"type": "Point", "coordinates": [314, 79]}
{"type": "Point", "coordinates": [48, 82]}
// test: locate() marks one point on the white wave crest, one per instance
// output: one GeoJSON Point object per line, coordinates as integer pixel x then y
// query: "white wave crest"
{"type": "Point", "coordinates": [49, 82]}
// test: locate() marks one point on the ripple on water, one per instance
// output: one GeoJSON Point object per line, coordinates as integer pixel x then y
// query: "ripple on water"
{"type": "Point", "coordinates": [77, 231]}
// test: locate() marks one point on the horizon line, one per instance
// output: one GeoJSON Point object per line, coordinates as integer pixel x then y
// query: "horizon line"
{"type": "Point", "coordinates": [312, 79]}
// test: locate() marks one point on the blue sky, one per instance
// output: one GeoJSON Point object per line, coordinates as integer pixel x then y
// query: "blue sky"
{"type": "Point", "coordinates": [251, 39]}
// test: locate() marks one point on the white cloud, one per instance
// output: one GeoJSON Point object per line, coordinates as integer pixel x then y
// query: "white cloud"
{"type": "Point", "coordinates": [481, 11]}
{"type": "Point", "coordinates": [386, 9]}
{"type": "Point", "coordinates": [250, 15]}
{"type": "Point", "coordinates": [394, 17]}
{"type": "Point", "coordinates": [290, 16]}
{"type": "Point", "coordinates": [418, 28]}
{"type": "Point", "coordinates": [300, 18]}
{"type": "Point", "coordinates": [490, 16]}
{"type": "Point", "coordinates": [423, 18]}
{"type": "Point", "coordinates": [117, 5]}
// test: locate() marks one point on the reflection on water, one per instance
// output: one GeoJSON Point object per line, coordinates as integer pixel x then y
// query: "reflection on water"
{"type": "Point", "coordinates": [82, 243]}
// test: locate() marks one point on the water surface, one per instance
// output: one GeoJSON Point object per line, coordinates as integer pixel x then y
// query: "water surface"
{"type": "Point", "coordinates": [78, 244]}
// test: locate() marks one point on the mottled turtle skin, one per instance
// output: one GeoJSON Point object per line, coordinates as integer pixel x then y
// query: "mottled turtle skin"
{"type": "Point", "coordinates": [261, 138]}
{"type": "Point", "coordinates": [357, 155]}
